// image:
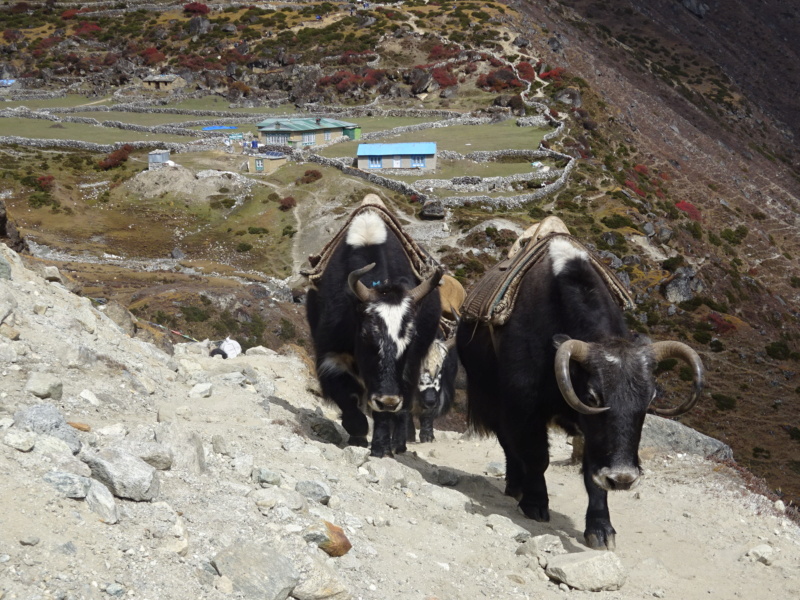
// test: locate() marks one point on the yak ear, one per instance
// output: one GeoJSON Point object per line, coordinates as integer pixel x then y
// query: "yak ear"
{"type": "Point", "coordinates": [641, 339]}
{"type": "Point", "coordinates": [559, 339]}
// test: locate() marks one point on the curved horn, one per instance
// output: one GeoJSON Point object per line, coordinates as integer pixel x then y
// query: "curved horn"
{"type": "Point", "coordinates": [680, 350]}
{"type": "Point", "coordinates": [579, 351]}
{"type": "Point", "coordinates": [424, 288]}
{"type": "Point", "coordinates": [361, 291]}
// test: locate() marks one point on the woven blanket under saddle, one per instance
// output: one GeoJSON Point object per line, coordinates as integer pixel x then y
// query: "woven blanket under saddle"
{"type": "Point", "coordinates": [492, 299]}
{"type": "Point", "coordinates": [422, 263]}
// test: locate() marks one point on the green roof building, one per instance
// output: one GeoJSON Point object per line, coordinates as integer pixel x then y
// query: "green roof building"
{"type": "Point", "coordinates": [300, 133]}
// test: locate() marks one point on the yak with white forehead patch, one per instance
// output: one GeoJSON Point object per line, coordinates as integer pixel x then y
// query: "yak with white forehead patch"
{"type": "Point", "coordinates": [565, 354]}
{"type": "Point", "coordinates": [372, 322]}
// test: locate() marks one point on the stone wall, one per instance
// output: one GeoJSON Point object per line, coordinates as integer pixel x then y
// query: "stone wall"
{"type": "Point", "coordinates": [105, 148]}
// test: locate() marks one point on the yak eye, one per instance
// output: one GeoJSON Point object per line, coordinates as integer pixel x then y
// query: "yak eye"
{"type": "Point", "coordinates": [595, 397]}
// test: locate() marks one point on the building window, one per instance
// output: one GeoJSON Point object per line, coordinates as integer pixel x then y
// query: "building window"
{"type": "Point", "coordinates": [327, 135]}
{"type": "Point", "coordinates": [375, 162]}
{"type": "Point", "coordinates": [277, 138]}
{"type": "Point", "coordinates": [259, 164]}
{"type": "Point", "coordinates": [309, 138]}
{"type": "Point", "coordinates": [418, 161]}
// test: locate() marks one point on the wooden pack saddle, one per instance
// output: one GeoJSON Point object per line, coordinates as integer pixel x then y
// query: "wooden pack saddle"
{"type": "Point", "coordinates": [492, 299]}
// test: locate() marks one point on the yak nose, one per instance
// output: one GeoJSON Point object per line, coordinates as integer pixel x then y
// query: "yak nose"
{"type": "Point", "coordinates": [386, 403]}
{"type": "Point", "coordinates": [620, 478]}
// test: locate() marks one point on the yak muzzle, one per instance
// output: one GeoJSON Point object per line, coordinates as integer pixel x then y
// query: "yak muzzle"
{"type": "Point", "coordinates": [385, 403]}
{"type": "Point", "coordinates": [617, 478]}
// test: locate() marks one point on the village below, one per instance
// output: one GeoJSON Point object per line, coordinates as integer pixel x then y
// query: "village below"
{"type": "Point", "coordinates": [166, 172]}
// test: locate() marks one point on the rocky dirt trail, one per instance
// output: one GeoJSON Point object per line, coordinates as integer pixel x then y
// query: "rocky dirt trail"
{"type": "Point", "coordinates": [187, 476]}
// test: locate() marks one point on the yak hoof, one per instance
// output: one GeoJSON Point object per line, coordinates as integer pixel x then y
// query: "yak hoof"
{"type": "Point", "coordinates": [400, 449]}
{"type": "Point", "coordinates": [535, 512]}
{"type": "Point", "coordinates": [600, 539]}
{"type": "Point", "coordinates": [381, 453]}
{"type": "Point", "coordinates": [358, 440]}
{"type": "Point", "coordinates": [425, 437]}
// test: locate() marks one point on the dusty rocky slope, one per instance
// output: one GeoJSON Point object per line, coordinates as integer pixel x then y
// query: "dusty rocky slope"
{"type": "Point", "coordinates": [190, 477]}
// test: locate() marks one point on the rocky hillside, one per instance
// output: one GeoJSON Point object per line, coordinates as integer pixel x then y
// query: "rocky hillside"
{"type": "Point", "coordinates": [129, 472]}
{"type": "Point", "coordinates": [684, 134]}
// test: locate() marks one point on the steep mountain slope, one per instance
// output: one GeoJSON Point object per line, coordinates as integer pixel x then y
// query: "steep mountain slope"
{"type": "Point", "coordinates": [224, 472]}
{"type": "Point", "coordinates": [686, 127]}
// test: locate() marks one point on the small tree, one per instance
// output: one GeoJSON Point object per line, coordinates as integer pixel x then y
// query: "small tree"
{"type": "Point", "coordinates": [196, 8]}
{"type": "Point", "coordinates": [116, 158]}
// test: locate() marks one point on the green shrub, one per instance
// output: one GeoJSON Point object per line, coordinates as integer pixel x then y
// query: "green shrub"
{"type": "Point", "coordinates": [686, 374]}
{"type": "Point", "coordinates": [703, 337]}
{"type": "Point", "coordinates": [672, 263]}
{"type": "Point", "coordinates": [716, 346]}
{"type": "Point", "coordinates": [794, 281]}
{"type": "Point", "coordinates": [734, 236]}
{"type": "Point", "coordinates": [759, 452]}
{"type": "Point", "coordinates": [617, 222]}
{"type": "Point", "coordinates": [666, 365]}
{"type": "Point", "coordinates": [794, 433]}
{"type": "Point", "coordinates": [287, 331]}
{"type": "Point", "coordinates": [693, 228]}
{"type": "Point", "coordinates": [244, 247]}
{"type": "Point", "coordinates": [778, 350]}
{"type": "Point", "coordinates": [257, 230]}
{"type": "Point", "coordinates": [193, 314]}
{"type": "Point", "coordinates": [723, 401]}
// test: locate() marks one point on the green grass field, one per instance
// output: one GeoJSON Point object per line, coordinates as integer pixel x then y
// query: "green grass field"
{"type": "Point", "coordinates": [69, 100]}
{"type": "Point", "coordinates": [459, 138]}
{"type": "Point", "coordinates": [447, 169]}
{"type": "Point", "coordinates": [42, 129]}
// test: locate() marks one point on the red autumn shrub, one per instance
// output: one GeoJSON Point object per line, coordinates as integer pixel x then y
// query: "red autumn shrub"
{"type": "Point", "coordinates": [152, 56]}
{"type": "Point", "coordinates": [554, 74]}
{"type": "Point", "coordinates": [12, 35]}
{"type": "Point", "coordinates": [664, 176]}
{"type": "Point", "coordinates": [373, 77]}
{"type": "Point", "coordinates": [45, 183]}
{"type": "Point", "coordinates": [690, 209]}
{"type": "Point", "coordinates": [69, 14]}
{"type": "Point", "coordinates": [526, 71]}
{"type": "Point", "coordinates": [443, 77]}
{"type": "Point", "coordinates": [440, 52]}
{"type": "Point", "coordinates": [287, 203]}
{"type": "Point", "coordinates": [86, 29]}
{"type": "Point", "coordinates": [721, 325]}
{"type": "Point", "coordinates": [641, 169]}
{"type": "Point", "coordinates": [196, 8]}
{"type": "Point", "coordinates": [116, 158]}
{"type": "Point", "coordinates": [632, 185]}
{"type": "Point", "coordinates": [499, 80]}
{"type": "Point", "coordinates": [470, 68]}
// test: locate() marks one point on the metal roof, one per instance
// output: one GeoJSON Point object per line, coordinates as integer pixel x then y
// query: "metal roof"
{"type": "Point", "coordinates": [415, 148]}
{"type": "Point", "coordinates": [167, 78]}
{"type": "Point", "coordinates": [270, 155]}
{"type": "Point", "coordinates": [310, 124]}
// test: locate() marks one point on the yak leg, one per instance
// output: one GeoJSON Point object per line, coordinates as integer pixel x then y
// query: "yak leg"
{"type": "Point", "coordinates": [401, 421]}
{"type": "Point", "coordinates": [382, 434]}
{"type": "Point", "coordinates": [345, 391]}
{"type": "Point", "coordinates": [411, 431]}
{"type": "Point", "coordinates": [534, 453]}
{"type": "Point", "coordinates": [599, 533]}
{"type": "Point", "coordinates": [515, 469]}
{"type": "Point", "coordinates": [426, 426]}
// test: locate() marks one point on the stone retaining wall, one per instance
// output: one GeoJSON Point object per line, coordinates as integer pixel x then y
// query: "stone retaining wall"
{"type": "Point", "coordinates": [105, 148]}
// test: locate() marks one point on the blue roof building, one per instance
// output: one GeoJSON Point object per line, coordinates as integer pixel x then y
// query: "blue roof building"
{"type": "Point", "coordinates": [408, 155]}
